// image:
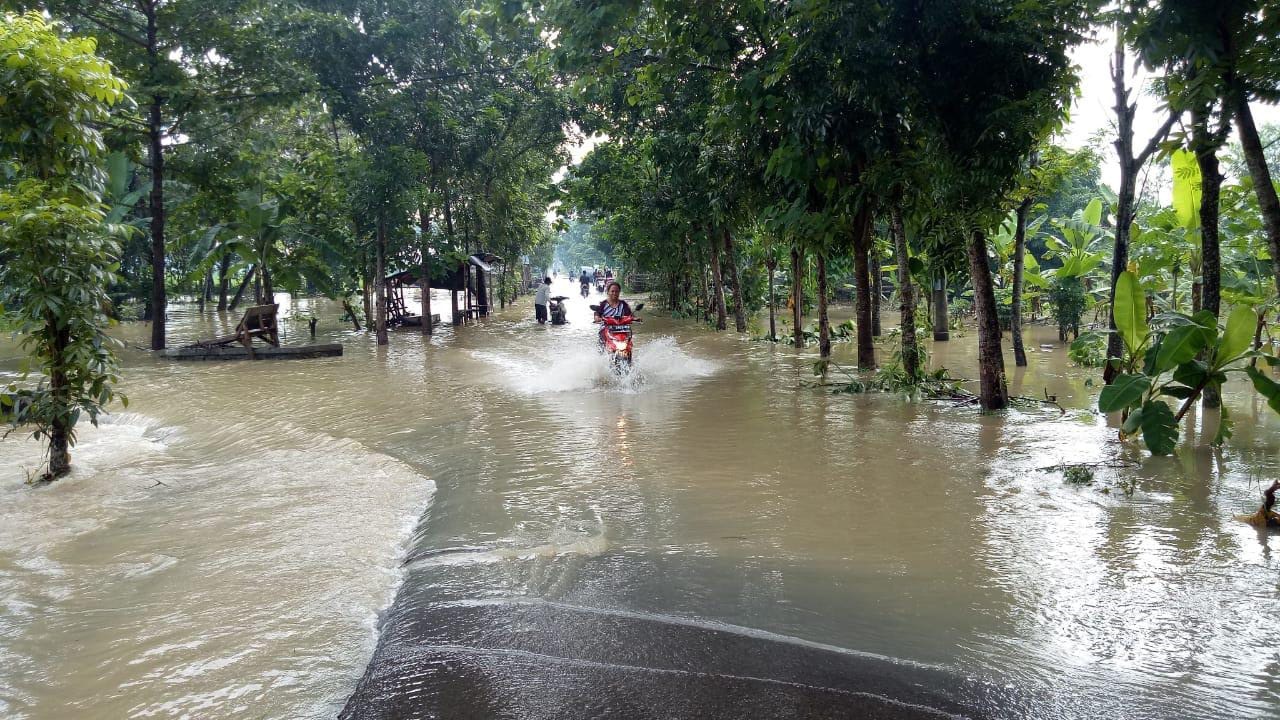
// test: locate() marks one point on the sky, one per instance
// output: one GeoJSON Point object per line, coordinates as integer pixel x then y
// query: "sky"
{"type": "Point", "coordinates": [1092, 110]}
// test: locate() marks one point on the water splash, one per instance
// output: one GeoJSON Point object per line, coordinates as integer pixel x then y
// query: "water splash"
{"type": "Point", "coordinates": [660, 363]}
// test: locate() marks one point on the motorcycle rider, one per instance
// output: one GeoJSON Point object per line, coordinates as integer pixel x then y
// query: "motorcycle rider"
{"type": "Point", "coordinates": [613, 307]}
{"type": "Point", "coordinates": [584, 281]}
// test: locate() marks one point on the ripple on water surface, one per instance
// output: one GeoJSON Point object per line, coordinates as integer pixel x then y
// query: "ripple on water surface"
{"type": "Point", "coordinates": [227, 572]}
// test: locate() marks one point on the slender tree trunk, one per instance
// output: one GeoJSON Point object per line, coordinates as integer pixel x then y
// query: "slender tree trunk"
{"type": "Point", "coordinates": [268, 288]}
{"type": "Point", "coordinates": [717, 284]}
{"type": "Point", "coordinates": [224, 282]}
{"type": "Point", "coordinates": [877, 276]}
{"type": "Point", "coordinates": [1210, 256]}
{"type": "Point", "coordinates": [907, 295]}
{"type": "Point", "coordinates": [862, 287]}
{"type": "Point", "coordinates": [244, 284]}
{"type": "Point", "coordinates": [424, 219]}
{"type": "Point", "coordinates": [380, 287]}
{"type": "Point", "coordinates": [61, 426]}
{"type": "Point", "coordinates": [941, 311]}
{"type": "Point", "coordinates": [824, 323]}
{"type": "Point", "coordinates": [769, 265]}
{"type": "Point", "coordinates": [1126, 209]}
{"type": "Point", "coordinates": [1268, 203]}
{"type": "Point", "coordinates": [1015, 310]}
{"type": "Point", "coordinates": [797, 296]}
{"type": "Point", "coordinates": [155, 141]}
{"type": "Point", "coordinates": [731, 268]}
{"type": "Point", "coordinates": [206, 289]}
{"type": "Point", "coordinates": [993, 393]}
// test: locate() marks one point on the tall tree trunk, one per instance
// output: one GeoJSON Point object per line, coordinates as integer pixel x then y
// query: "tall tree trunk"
{"type": "Point", "coordinates": [244, 284]}
{"type": "Point", "coordinates": [797, 296]}
{"type": "Point", "coordinates": [862, 288]}
{"type": "Point", "coordinates": [731, 268]}
{"type": "Point", "coordinates": [424, 219]}
{"type": "Point", "coordinates": [824, 323]}
{"type": "Point", "coordinates": [941, 310]}
{"type": "Point", "coordinates": [1015, 309]}
{"type": "Point", "coordinates": [907, 295]}
{"type": "Point", "coordinates": [769, 265]}
{"type": "Point", "coordinates": [993, 393]}
{"type": "Point", "coordinates": [380, 287]}
{"type": "Point", "coordinates": [877, 276]}
{"type": "Point", "coordinates": [1130, 166]}
{"type": "Point", "coordinates": [1268, 203]}
{"type": "Point", "coordinates": [206, 290]}
{"type": "Point", "coordinates": [155, 141]}
{"type": "Point", "coordinates": [717, 284]}
{"type": "Point", "coordinates": [1206, 149]}
{"type": "Point", "coordinates": [224, 282]}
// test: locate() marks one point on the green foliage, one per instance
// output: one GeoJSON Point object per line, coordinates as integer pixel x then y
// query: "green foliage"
{"type": "Point", "coordinates": [58, 249]}
{"type": "Point", "coordinates": [1089, 349]}
{"type": "Point", "coordinates": [1068, 300]}
{"type": "Point", "coordinates": [1078, 474]}
{"type": "Point", "coordinates": [1176, 357]}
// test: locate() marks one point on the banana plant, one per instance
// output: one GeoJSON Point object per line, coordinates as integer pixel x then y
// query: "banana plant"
{"type": "Point", "coordinates": [1083, 242]}
{"type": "Point", "coordinates": [1176, 360]}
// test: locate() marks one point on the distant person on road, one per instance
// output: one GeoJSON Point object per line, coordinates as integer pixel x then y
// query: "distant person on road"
{"type": "Point", "coordinates": [540, 299]}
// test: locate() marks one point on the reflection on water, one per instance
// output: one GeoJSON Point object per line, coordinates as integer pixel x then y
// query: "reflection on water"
{"type": "Point", "coordinates": [223, 549]}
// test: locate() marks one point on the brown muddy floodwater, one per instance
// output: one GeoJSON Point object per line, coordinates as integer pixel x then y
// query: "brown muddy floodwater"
{"type": "Point", "coordinates": [226, 546]}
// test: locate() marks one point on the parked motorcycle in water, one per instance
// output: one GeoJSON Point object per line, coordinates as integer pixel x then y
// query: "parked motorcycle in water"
{"type": "Point", "coordinates": [557, 310]}
{"type": "Point", "coordinates": [616, 339]}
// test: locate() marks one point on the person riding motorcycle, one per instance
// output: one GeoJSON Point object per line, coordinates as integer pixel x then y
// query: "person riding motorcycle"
{"type": "Point", "coordinates": [585, 279]}
{"type": "Point", "coordinates": [613, 307]}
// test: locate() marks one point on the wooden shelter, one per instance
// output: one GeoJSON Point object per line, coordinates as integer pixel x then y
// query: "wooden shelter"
{"type": "Point", "coordinates": [469, 278]}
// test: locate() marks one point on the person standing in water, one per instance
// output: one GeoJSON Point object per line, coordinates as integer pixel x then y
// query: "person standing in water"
{"type": "Point", "coordinates": [540, 299]}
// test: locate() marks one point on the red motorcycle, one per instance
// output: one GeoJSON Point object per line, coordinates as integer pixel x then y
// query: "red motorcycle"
{"type": "Point", "coordinates": [616, 338]}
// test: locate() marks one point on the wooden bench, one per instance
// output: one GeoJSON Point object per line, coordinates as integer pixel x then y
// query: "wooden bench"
{"type": "Point", "coordinates": [259, 321]}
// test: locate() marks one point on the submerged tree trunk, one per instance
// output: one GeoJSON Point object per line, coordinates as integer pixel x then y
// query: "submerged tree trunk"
{"type": "Point", "coordinates": [224, 282]}
{"type": "Point", "coordinates": [1268, 203]}
{"type": "Point", "coordinates": [876, 276]}
{"type": "Point", "coordinates": [862, 287]}
{"type": "Point", "coordinates": [155, 135]}
{"type": "Point", "coordinates": [993, 393]}
{"type": "Point", "coordinates": [379, 287]}
{"type": "Point", "coordinates": [769, 265]}
{"type": "Point", "coordinates": [268, 290]}
{"type": "Point", "coordinates": [1015, 309]}
{"type": "Point", "coordinates": [1206, 148]}
{"type": "Point", "coordinates": [941, 313]}
{"type": "Point", "coordinates": [61, 426]}
{"type": "Point", "coordinates": [907, 295]}
{"type": "Point", "coordinates": [424, 219]}
{"type": "Point", "coordinates": [731, 268]}
{"type": "Point", "coordinates": [244, 284]}
{"type": "Point", "coordinates": [824, 323]}
{"type": "Point", "coordinates": [717, 286]}
{"type": "Point", "coordinates": [797, 297]}
{"type": "Point", "coordinates": [206, 290]}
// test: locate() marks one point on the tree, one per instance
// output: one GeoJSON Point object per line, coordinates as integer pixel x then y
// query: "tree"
{"type": "Point", "coordinates": [58, 249]}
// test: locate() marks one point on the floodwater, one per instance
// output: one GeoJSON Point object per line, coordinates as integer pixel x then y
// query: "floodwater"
{"type": "Point", "coordinates": [515, 520]}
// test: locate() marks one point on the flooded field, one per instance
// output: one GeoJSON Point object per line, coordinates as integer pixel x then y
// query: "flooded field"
{"type": "Point", "coordinates": [540, 528]}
